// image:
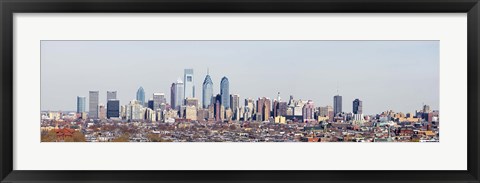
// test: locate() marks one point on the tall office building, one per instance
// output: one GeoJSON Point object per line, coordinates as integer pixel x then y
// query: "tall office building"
{"type": "Point", "coordinates": [150, 104]}
{"type": "Point", "coordinates": [81, 102]}
{"type": "Point", "coordinates": [102, 113]}
{"type": "Point", "coordinates": [308, 111]}
{"type": "Point", "coordinates": [337, 104]}
{"type": "Point", "coordinates": [357, 106]}
{"type": "Point", "coordinates": [218, 107]}
{"type": "Point", "coordinates": [325, 111]}
{"type": "Point", "coordinates": [281, 109]}
{"type": "Point", "coordinates": [111, 95]}
{"type": "Point", "coordinates": [158, 100]}
{"type": "Point", "coordinates": [426, 108]}
{"type": "Point", "coordinates": [141, 95]}
{"type": "Point", "coordinates": [263, 108]}
{"type": "Point", "coordinates": [179, 94]}
{"type": "Point", "coordinates": [234, 102]}
{"type": "Point", "coordinates": [113, 108]}
{"type": "Point", "coordinates": [189, 87]}
{"type": "Point", "coordinates": [224, 92]}
{"type": "Point", "coordinates": [173, 97]}
{"type": "Point", "coordinates": [191, 102]}
{"type": "Point", "coordinates": [207, 91]}
{"type": "Point", "coordinates": [93, 104]}
{"type": "Point", "coordinates": [235, 105]}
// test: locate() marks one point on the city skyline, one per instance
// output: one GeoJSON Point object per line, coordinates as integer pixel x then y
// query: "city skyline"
{"type": "Point", "coordinates": [361, 82]}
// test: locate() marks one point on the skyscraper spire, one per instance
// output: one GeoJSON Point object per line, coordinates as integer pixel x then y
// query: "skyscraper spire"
{"type": "Point", "coordinates": [208, 73]}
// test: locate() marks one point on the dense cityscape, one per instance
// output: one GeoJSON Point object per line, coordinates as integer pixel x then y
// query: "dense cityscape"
{"type": "Point", "coordinates": [224, 117]}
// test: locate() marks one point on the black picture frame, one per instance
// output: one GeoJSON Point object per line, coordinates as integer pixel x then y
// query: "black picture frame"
{"type": "Point", "coordinates": [9, 7]}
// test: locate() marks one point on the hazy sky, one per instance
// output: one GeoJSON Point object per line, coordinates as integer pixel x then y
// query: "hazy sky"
{"type": "Point", "coordinates": [397, 75]}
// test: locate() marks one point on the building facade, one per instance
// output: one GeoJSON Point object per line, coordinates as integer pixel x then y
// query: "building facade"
{"type": "Point", "coordinates": [141, 95]}
{"type": "Point", "coordinates": [158, 100]}
{"type": "Point", "coordinates": [357, 106]}
{"type": "Point", "coordinates": [113, 108]}
{"type": "Point", "coordinates": [179, 94]}
{"type": "Point", "coordinates": [337, 104]}
{"type": "Point", "coordinates": [189, 87]}
{"type": "Point", "coordinates": [308, 111]}
{"type": "Point", "coordinates": [225, 92]}
{"type": "Point", "coordinates": [81, 102]}
{"type": "Point", "coordinates": [234, 104]}
{"type": "Point", "coordinates": [111, 95]}
{"type": "Point", "coordinates": [173, 97]}
{"type": "Point", "coordinates": [207, 91]}
{"type": "Point", "coordinates": [93, 104]}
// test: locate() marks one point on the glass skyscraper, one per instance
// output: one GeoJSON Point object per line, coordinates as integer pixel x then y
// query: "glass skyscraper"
{"type": "Point", "coordinates": [93, 104]}
{"type": "Point", "coordinates": [337, 104]}
{"type": "Point", "coordinates": [81, 102]}
{"type": "Point", "coordinates": [179, 94]}
{"type": "Point", "coordinates": [113, 108]}
{"type": "Point", "coordinates": [173, 96]}
{"type": "Point", "coordinates": [207, 90]}
{"type": "Point", "coordinates": [224, 92]}
{"type": "Point", "coordinates": [357, 106]}
{"type": "Point", "coordinates": [158, 99]}
{"type": "Point", "coordinates": [141, 96]}
{"type": "Point", "coordinates": [189, 87]}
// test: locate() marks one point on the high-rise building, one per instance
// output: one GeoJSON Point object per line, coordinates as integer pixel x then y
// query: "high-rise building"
{"type": "Point", "coordinates": [150, 104]}
{"type": "Point", "coordinates": [357, 106]}
{"type": "Point", "coordinates": [225, 92]}
{"type": "Point", "coordinates": [282, 109]}
{"type": "Point", "coordinates": [81, 102]}
{"type": "Point", "coordinates": [426, 108]}
{"type": "Point", "coordinates": [135, 111]}
{"type": "Point", "coordinates": [337, 104]}
{"type": "Point", "coordinates": [173, 97]}
{"type": "Point", "coordinates": [93, 104]}
{"type": "Point", "coordinates": [191, 102]}
{"type": "Point", "coordinates": [141, 96]}
{"type": "Point", "coordinates": [291, 102]}
{"type": "Point", "coordinates": [113, 108]}
{"type": "Point", "coordinates": [111, 95]}
{"type": "Point", "coordinates": [234, 102]}
{"type": "Point", "coordinates": [101, 111]}
{"type": "Point", "coordinates": [234, 105]}
{"type": "Point", "coordinates": [191, 112]}
{"type": "Point", "coordinates": [179, 94]}
{"type": "Point", "coordinates": [308, 111]}
{"type": "Point", "coordinates": [263, 108]}
{"type": "Point", "coordinates": [189, 91]}
{"type": "Point", "coordinates": [218, 107]}
{"type": "Point", "coordinates": [158, 100]}
{"type": "Point", "coordinates": [298, 108]}
{"type": "Point", "coordinates": [207, 91]}
{"type": "Point", "coordinates": [325, 111]}
{"type": "Point", "coordinates": [249, 109]}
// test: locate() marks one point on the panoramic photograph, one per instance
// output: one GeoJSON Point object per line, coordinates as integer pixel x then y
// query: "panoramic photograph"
{"type": "Point", "coordinates": [240, 91]}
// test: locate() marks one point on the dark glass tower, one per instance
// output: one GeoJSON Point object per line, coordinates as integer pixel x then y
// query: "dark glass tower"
{"type": "Point", "coordinates": [113, 108]}
{"type": "Point", "coordinates": [357, 106]}
{"type": "Point", "coordinates": [337, 104]}
{"type": "Point", "coordinates": [225, 92]}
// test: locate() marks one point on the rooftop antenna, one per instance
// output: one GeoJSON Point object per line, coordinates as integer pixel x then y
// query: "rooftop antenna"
{"type": "Point", "coordinates": [337, 88]}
